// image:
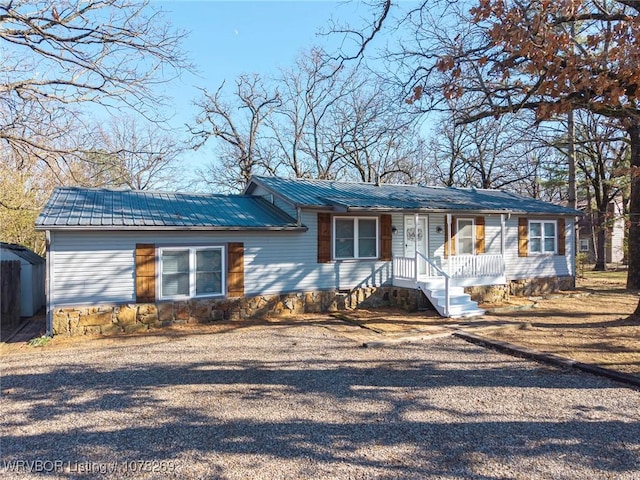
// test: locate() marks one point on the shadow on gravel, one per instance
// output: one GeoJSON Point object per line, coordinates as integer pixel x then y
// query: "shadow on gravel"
{"type": "Point", "coordinates": [136, 422]}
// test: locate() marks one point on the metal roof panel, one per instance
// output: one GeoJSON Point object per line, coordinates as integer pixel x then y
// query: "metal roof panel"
{"type": "Point", "coordinates": [81, 207]}
{"type": "Point", "coordinates": [329, 193]}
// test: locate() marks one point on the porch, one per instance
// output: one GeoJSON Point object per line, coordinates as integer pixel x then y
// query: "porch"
{"type": "Point", "coordinates": [443, 280]}
{"type": "Point", "coordinates": [462, 270]}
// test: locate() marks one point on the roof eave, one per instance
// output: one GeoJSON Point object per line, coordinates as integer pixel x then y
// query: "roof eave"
{"type": "Point", "coordinates": [453, 210]}
{"type": "Point", "coordinates": [281, 196]}
{"type": "Point", "coordinates": [135, 228]}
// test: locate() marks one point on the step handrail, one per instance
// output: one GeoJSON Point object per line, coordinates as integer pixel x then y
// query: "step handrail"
{"type": "Point", "coordinates": [447, 279]}
{"type": "Point", "coordinates": [436, 267]}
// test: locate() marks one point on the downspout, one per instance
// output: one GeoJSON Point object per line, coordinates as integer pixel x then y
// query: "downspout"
{"type": "Point", "coordinates": [299, 215]}
{"type": "Point", "coordinates": [415, 245]}
{"type": "Point", "coordinates": [47, 284]}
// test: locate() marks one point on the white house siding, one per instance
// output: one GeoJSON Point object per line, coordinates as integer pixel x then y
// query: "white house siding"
{"type": "Point", "coordinates": [537, 265]}
{"type": "Point", "coordinates": [283, 205]}
{"type": "Point", "coordinates": [617, 235]}
{"type": "Point", "coordinates": [516, 267]}
{"type": "Point", "coordinates": [397, 240]}
{"type": "Point", "coordinates": [492, 233]}
{"type": "Point", "coordinates": [99, 267]}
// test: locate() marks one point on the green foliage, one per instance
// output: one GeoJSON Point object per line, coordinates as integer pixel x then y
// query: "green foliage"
{"type": "Point", "coordinates": [581, 263]}
{"type": "Point", "coordinates": [39, 341]}
{"type": "Point", "coordinates": [20, 202]}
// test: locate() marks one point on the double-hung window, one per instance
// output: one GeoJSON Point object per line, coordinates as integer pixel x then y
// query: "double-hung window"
{"type": "Point", "coordinates": [584, 245]}
{"type": "Point", "coordinates": [542, 237]}
{"type": "Point", "coordinates": [355, 237]}
{"type": "Point", "coordinates": [191, 272]}
{"type": "Point", "coordinates": [465, 236]}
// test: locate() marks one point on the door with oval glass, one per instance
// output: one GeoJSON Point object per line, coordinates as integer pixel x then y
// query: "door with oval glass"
{"type": "Point", "coordinates": [416, 237]}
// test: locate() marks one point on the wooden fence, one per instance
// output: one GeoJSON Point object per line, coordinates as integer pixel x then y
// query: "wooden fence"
{"type": "Point", "coordinates": [9, 295]}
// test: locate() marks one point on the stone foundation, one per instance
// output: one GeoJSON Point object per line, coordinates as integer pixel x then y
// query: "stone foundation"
{"type": "Point", "coordinates": [520, 288]}
{"type": "Point", "coordinates": [112, 319]}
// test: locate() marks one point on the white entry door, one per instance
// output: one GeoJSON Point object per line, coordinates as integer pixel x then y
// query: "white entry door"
{"type": "Point", "coordinates": [416, 238]}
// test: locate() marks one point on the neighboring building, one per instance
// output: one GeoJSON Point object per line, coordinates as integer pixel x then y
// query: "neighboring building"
{"type": "Point", "coordinates": [148, 258]}
{"type": "Point", "coordinates": [614, 235]}
{"type": "Point", "coordinates": [32, 277]}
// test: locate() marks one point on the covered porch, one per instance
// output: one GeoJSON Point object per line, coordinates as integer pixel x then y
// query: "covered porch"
{"type": "Point", "coordinates": [442, 254]}
{"type": "Point", "coordinates": [462, 271]}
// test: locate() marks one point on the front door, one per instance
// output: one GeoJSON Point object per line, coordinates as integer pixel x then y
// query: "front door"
{"type": "Point", "coordinates": [416, 238]}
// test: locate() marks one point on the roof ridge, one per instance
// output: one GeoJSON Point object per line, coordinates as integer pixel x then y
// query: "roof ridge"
{"type": "Point", "coordinates": [149, 192]}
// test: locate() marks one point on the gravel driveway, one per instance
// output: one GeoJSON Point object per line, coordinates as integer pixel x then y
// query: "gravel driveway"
{"type": "Point", "coordinates": [304, 402]}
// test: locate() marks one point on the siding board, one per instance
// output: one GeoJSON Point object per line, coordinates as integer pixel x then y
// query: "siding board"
{"type": "Point", "coordinates": [274, 262]}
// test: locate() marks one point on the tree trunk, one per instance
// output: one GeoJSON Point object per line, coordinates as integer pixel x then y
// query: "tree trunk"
{"type": "Point", "coordinates": [601, 239]}
{"type": "Point", "coordinates": [633, 276]}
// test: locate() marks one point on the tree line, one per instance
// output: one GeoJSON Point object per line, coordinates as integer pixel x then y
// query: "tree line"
{"type": "Point", "coordinates": [474, 95]}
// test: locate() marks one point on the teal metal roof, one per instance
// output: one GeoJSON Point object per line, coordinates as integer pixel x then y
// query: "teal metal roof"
{"type": "Point", "coordinates": [368, 196]}
{"type": "Point", "coordinates": [71, 207]}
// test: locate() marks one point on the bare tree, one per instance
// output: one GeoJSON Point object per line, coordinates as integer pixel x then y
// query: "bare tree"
{"type": "Point", "coordinates": [603, 161]}
{"type": "Point", "coordinates": [306, 128]}
{"type": "Point", "coordinates": [237, 127]}
{"type": "Point", "coordinates": [56, 57]}
{"type": "Point", "coordinates": [546, 57]}
{"type": "Point", "coordinates": [336, 122]}
{"type": "Point", "coordinates": [139, 155]}
{"type": "Point", "coordinates": [491, 153]}
{"type": "Point", "coordinates": [380, 142]}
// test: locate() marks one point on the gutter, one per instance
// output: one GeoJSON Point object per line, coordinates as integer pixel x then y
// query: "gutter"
{"type": "Point", "coordinates": [137, 228]}
{"type": "Point", "coordinates": [456, 211]}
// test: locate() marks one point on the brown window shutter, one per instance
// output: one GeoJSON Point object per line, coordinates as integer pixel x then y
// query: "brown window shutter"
{"type": "Point", "coordinates": [235, 269]}
{"type": "Point", "coordinates": [324, 237]}
{"type": "Point", "coordinates": [450, 241]}
{"type": "Point", "coordinates": [561, 237]}
{"type": "Point", "coordinates": [145, 273]}
{"type": "Point", "coordinates": [523, 237]}
{"type": "Point", "coordinates": [480, 243]}
{"type": "Point", "coordinates": [385, 237]}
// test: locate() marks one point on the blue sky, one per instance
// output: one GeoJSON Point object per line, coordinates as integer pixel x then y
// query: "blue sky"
{"type": "Point", "coordinates": [230, 38]}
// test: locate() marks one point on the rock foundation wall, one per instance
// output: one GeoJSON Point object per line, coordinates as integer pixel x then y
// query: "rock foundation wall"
{"type": "Point", "coordinates": [520, 288]}
{"type": "Point", "coordinates": [112, 319]}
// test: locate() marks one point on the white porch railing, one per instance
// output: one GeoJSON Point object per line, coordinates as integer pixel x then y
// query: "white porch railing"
{"type": "Point", "coordinates": [457, 266]}
{"type": "Point", "coordinates": [404, 267]}
{"type": "Point", "coordinates": [461, 266]}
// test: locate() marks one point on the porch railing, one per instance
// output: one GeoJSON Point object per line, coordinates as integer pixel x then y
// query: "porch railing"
{"type": "Point", "coordinates": [474, 265]}
{"type": "Point", "coordinates": [458, 266]}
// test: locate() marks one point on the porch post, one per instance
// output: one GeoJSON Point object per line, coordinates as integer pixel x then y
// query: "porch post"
{"type": "Point", "coordinates": [502, 239]}
{"type": "Point", "coordinates": [449, 243]}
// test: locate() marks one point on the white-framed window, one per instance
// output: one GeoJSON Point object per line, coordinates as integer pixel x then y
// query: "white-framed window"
{"type": "Point", "coordinates": [584, 245]}
{"type": "Point", "coordinates": [465, 236]}
{"type": "Point", "coordinates": [355, 237]}
{"type": "Point", "coordinates": [191, 272]}
{"type": "Point", "coordinates": [542, 237]}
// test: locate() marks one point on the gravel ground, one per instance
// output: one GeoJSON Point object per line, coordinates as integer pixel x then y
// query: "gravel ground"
{"type": "Point", "coordinates": [304, 402]}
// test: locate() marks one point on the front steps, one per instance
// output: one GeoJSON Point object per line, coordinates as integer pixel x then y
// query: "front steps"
{"type": "Point", "coordinates": [460, 303]}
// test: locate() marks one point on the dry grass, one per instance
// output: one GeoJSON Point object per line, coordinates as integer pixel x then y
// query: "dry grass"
{"type": "Point", "coordinates": [592, 325]}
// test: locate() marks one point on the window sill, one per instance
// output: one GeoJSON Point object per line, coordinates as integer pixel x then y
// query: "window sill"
{"type": "Point", "coordinates": [356, 260]}
{"type": "Point", "coordinates": [186, 298]}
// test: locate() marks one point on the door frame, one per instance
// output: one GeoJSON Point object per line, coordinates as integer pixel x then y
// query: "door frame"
{"type": "Point", "coordinates": [424, 242]}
